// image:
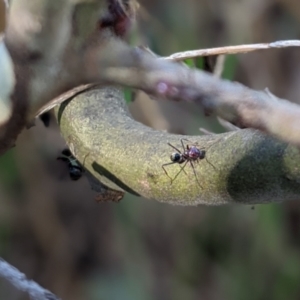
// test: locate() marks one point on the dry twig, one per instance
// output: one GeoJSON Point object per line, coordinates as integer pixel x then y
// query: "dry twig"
{"type": "Point", "coordinates": [19, 281]}
{"type": "Point", "coordinates": [239, 49]}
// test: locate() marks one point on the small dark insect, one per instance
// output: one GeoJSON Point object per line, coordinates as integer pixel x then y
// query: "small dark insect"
{"type": "Point", "coordinates": [46, 118]}
{"type": "Point", "coordinates": [75, 169]}
{"type": "Point", "coordinates": [191, 154]}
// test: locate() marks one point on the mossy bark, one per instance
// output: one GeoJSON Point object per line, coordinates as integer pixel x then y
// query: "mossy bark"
{"type": "Point", "coordinates": [249, 167]}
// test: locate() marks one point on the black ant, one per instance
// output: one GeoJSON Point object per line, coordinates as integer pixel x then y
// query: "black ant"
{"type": "Point", "coordinates": [75, 169]}
{"type": "Point", "coordinates": [191, 154]}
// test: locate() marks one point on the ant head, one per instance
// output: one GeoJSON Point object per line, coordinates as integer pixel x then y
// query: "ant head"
{"type": "Point", "coordinates": [66, 152]}
{"type": "Point", "coordinates": [175, 157]}
{"type": "Point", "coordinates": [202, 154]}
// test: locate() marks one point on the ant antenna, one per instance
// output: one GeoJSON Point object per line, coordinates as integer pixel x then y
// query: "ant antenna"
{"type": "Point", "coordinates": [176, 148]}
{"type": "Point", "coordinates": [167, 164]}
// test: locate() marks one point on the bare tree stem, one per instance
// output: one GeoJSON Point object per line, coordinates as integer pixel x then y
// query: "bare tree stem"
{"type": "Point", "coordinates": [20, 282]}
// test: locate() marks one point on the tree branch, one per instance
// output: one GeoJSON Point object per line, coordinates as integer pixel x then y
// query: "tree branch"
{"type": "Point", "coordinates": [246, 108]}
{"type": "Point", "coordinates": [248, 167]}
{"type": "Point", "coordinates": [232, 49]}
{"type": "Point", "coordinates": [19, 281]}
{"type": "Point", "coordinates": [55, 39]}
{"type": "Point", "coordinates": [61, 40]}
{"type": "Point", "coordinates": [231, 101]}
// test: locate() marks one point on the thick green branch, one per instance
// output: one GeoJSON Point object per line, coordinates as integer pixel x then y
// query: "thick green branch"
{"type": "Point", "coordinates": [250, 167]}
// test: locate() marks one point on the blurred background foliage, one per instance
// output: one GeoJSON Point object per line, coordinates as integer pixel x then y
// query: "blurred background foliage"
{"type": "Point", "coordinates": [52, 229]}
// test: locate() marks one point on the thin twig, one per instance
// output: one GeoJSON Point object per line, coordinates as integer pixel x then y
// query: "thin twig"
{"type": "Point", "coordinates": [219, 66]}
{"type": "Point", "coordinates": [205, 131]}
{"type": "Point", "coordinates": [19, 280]}
{"type": "Point", "coordinates": [227, 125]}
{"type": "Point", "coordinates": [232, 49]}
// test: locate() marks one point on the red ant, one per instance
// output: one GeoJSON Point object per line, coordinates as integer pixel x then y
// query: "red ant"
{"type": "Point", "coordinates": [190, 154]}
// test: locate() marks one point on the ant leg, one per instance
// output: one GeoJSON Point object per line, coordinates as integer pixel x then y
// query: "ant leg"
{"type": "Point", "coordinates": [196, 174]}
{"type": "Point", "coordinates": [174, 148]}
{"type": "Point", "coordinates": [210, 163]}
{"type": "Point", "coordinates": [191, 142]}
{"type": "Point", "coordinates": [206, 158]}
{"type": "Point", "coordinates": [181, 169]}
{"type": "Point", "coordinates": [163, 167]}
{"type": "Point", "coordinates": [206, 151]}
{"type": "Point", "coordinates": [203, 148]}
{"type": "Point", "coordinates": [213, 143]}
{"type": "Point", "coordinates": [171, 163]}
{"type": "Point", "coordinates": [181, 140]}
{"type": "Point", "coordinates": [63, 158]}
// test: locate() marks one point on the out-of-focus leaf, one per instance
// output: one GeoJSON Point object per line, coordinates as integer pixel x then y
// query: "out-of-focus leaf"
{"type": "Point", "coordinates": [8, 169]}
{"type": "Point", "coordinates": [128, 95]}
{"type": "Point", "coordinates": [199, 61]}
{"type": "Point", "coordinates": [190, 62]}
{"type": "Point", "coordinates": [230, 67]}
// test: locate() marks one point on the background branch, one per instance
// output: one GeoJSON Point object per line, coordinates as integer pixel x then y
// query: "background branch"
{"type": "Point", "coordinates": [232, 49]}
{"type": "Point", "coordinates": [70, 47]}
{"type": "Point", "coordinates": [229, 100]}
{"type": "Point", "coordinates": [19, 281]}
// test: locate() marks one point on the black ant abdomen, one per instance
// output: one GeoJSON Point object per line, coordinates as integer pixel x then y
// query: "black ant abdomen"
{"type": "Point", "coordinates": [75, 169]}
{"type": "Point", "coordinates": [176, 158]}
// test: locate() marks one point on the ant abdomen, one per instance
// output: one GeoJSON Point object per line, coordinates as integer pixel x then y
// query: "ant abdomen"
{"type": "Point", "coordinates": [75, 169]}
{"type": "Point", "coordinates": [177, 158]}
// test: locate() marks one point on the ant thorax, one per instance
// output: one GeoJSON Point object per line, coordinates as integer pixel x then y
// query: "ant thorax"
{"type": "Point", "coordinates": [194, 153]}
